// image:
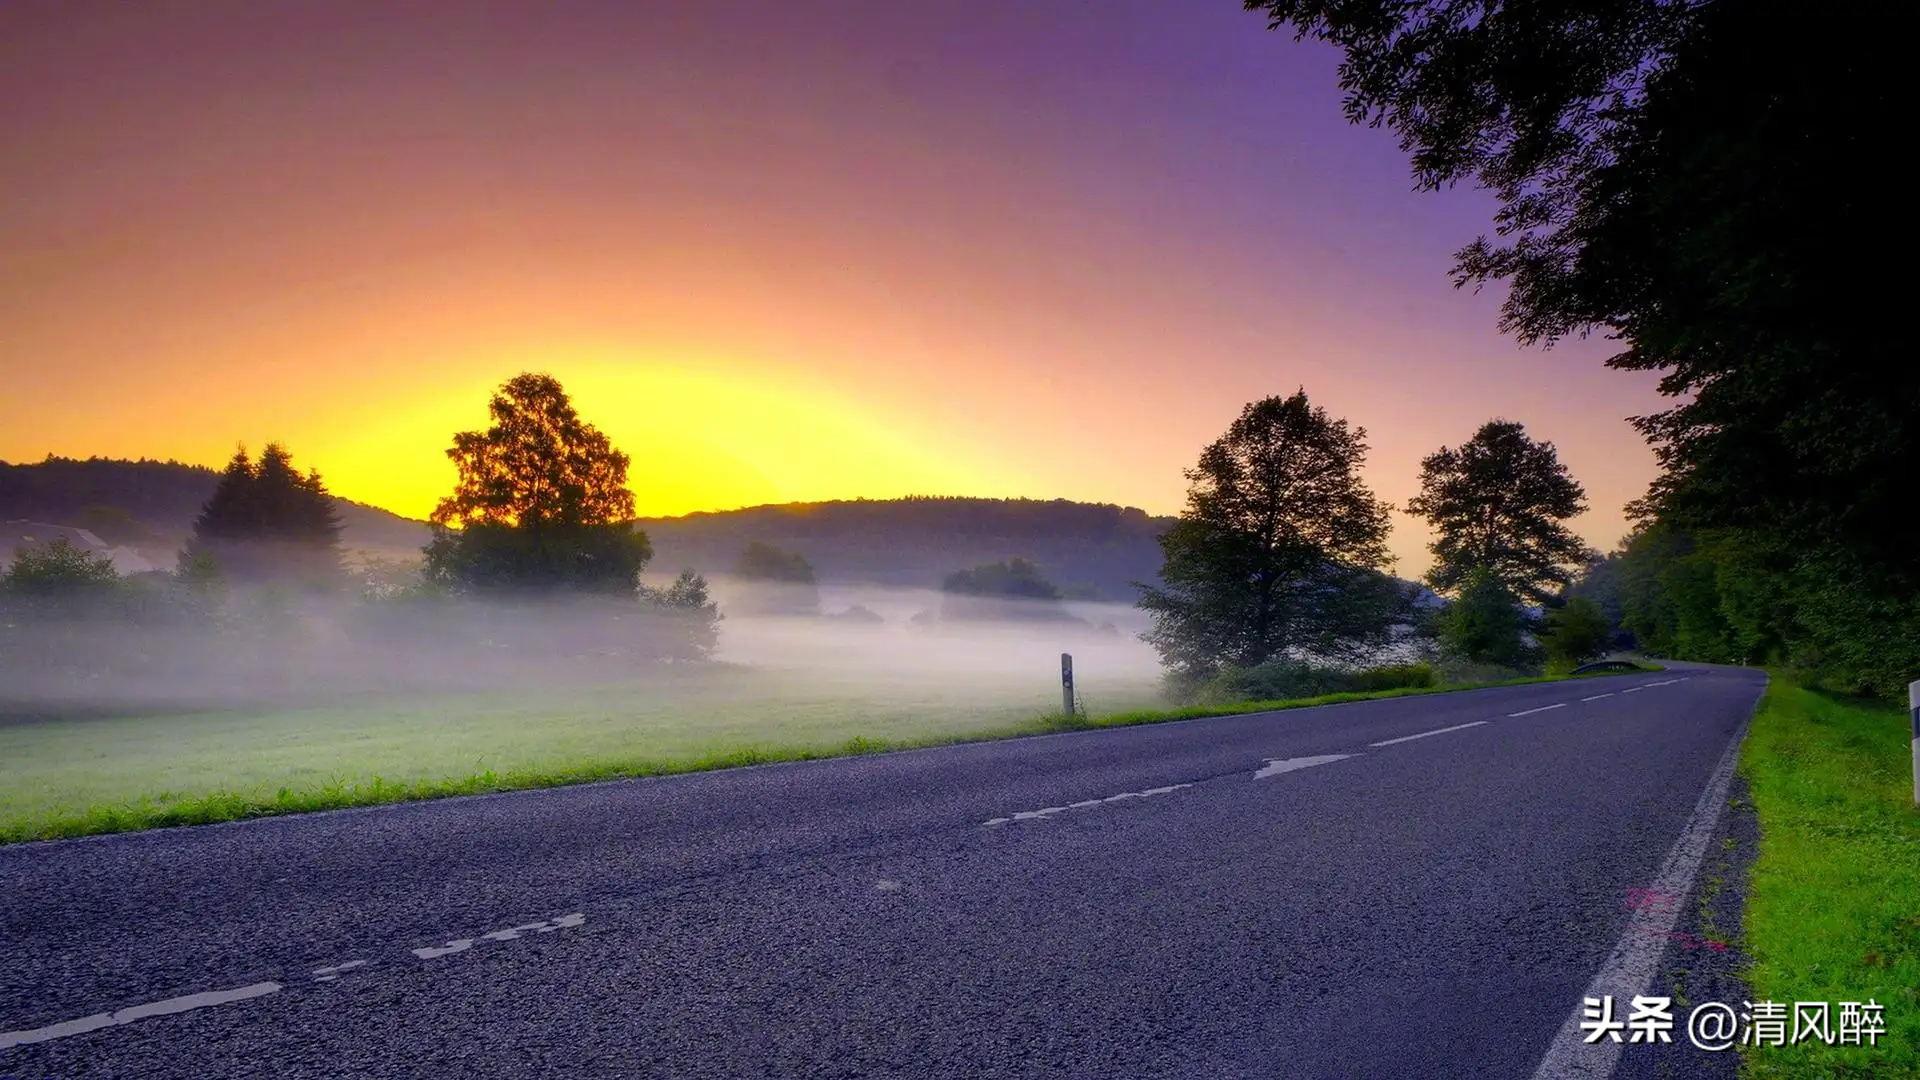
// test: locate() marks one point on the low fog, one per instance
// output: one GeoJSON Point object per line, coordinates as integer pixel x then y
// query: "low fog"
{"type": "Point", "coordinates": [156, 652]}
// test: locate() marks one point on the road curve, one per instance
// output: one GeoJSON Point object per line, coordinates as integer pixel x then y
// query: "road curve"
{"type": "Point", "coordinates": [1417, 886]}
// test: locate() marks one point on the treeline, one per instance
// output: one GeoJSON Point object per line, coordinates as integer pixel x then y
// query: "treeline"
{"type": "Point", "coordinates": [152, 504]}
{"type": "Point", "coordinates": [1091, 551]}
{"type": "Point", "coordinates": [534, 561]}
{"type": "Point", "coordinates": [1275, 578]}
{"type": "Point", "coordinates": [1698, 182]}
{"type": "Point", "coordinates": [1744, 597]}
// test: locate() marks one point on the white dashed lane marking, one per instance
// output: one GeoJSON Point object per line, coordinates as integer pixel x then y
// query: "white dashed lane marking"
{"type": "Point", "coordinates": [1597, 697]}
{"type": "Point", "coordinates": [1427, 734]}
{"type": "Point", "coordinates": [209, 998]}
{"type": "Point", "coordinates": [1530, 712]}
{"type": "Point", "coordinates": [136, 1012]}
{"type": "Point", "coordinates": [544, 926]}
{"type": "Point", "coordinates": [1049, 811]}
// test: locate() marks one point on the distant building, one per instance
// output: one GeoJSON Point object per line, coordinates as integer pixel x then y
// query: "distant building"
{"type": "Point", "coordinates": [21, 533]}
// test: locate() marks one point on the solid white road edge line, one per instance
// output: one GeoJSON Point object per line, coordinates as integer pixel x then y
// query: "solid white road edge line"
{"type": "Point", "coordinates": [136, 1012]}
{"type": "Point", "coordinates": [1530, 712]}
{"type": "Point", "coordinates": [1425, 734]}
{"type": "Point", "coordinates": [1628, 970]}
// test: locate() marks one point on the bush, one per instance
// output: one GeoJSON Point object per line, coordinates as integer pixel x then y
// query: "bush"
{"type": "Point", "coordinates": [1279, 680]}
{"type": "Point", "coordinates": [1575, 633]}
{"type": "Point", "coordinates": [1484, 624]}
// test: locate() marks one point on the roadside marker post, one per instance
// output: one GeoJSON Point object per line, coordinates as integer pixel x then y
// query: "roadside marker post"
{"type": "Point", "coordinates": [1066, 690]}
{"type": "Point", "coordinates": [1913, 711]}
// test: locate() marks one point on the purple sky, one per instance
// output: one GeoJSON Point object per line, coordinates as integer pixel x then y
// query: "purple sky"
{"type": "Point", "coordinates": [778, 251]}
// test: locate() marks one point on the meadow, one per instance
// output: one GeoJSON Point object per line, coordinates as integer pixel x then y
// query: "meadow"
{"type": "Point", "coordinates": [86, 772]}
{"type": "Point", "coordinates": [1831, 913]}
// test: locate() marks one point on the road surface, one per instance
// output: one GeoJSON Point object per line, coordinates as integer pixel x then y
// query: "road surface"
{"type": "Point", "coordinates": [1419, 886]}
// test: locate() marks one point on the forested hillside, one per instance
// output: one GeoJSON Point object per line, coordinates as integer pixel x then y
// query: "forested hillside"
{"type": "Point", "coordinates": [1091, 550]}
{"type": "Point", "coordinates": [151, 504]}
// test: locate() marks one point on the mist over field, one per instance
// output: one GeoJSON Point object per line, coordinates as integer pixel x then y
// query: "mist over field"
{"type": "Point", "coordinates": [271, 648]}
{"type": "Point", "coordinates": [284, 701]}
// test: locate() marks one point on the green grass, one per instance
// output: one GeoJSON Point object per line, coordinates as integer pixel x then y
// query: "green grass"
{"type": "Point", "coordinates": [1833, 912]}
{"type": "Point", "coordinates": [82, 776]}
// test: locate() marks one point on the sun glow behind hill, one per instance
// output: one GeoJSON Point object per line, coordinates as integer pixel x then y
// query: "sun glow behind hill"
{"type": "Point", "coordinates": [700, 436]}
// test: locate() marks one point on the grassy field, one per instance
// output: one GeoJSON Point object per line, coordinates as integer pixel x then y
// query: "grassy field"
{"type": "Point", "coordinates": [78, 776]}
{"type": "Point", "coordinates": [1834, 908]}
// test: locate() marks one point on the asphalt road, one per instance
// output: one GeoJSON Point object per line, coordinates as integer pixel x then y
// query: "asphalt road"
{"type": "Point", "coordinates": [1433, 906]}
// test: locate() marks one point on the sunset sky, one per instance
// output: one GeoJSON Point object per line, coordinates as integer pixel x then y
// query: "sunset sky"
{"type": "Point", "coordinates": [778, 252]}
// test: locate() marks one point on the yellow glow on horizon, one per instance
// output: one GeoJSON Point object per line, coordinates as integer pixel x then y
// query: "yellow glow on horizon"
{"type": "Point", "coordinates": [700, 436]}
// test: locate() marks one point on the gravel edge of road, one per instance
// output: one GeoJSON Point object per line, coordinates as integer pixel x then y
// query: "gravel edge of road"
{"type": "Point", "coordinates": [1706, 957]}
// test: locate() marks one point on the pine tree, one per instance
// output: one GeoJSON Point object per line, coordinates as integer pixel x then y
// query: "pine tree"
{"type": "Point", "coordinates": [265, 523]}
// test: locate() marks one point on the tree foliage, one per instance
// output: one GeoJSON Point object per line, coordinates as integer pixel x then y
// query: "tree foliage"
{"type": "Point", "coordinates": [267, 523]}
{"type": "Point", "coordinates": [1695, 180]}
{"type": "Point", "coordinates": [1012, 578]}
{"type": "Point", "coordinates": [1574, 633]}
{"type": "Point", "coordinates": [1280, 549]}
{"type": "Point", "coordinates": [1485, 624]}
{"type": "Point", "coordinates": [1500, 502]}
{"type": "Point", "coordinates": [765, 562]}
{"type": "Point", "coordinates": [541, 502]}
{"type": "Point", "coordinates": [538, 464]}
{"type": "Point", "coordinates": [58, 570]}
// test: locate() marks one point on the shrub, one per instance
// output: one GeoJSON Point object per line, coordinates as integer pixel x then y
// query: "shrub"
{"type": "Point", "coordinates": [1279, 680]}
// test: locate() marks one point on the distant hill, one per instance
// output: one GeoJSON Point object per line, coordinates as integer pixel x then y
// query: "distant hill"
{"type": "Point", "coordinates": [162, 498]}
{"type": "Point", "coordinates": [1091, 550]}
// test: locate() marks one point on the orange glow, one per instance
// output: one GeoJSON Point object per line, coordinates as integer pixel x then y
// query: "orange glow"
{"type": "Point", "coordinates": [806, 271]}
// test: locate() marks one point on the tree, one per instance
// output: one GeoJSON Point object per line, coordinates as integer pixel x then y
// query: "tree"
{"type": "Point", "coordinates": [1500, 502]}
{"type": "Point", "coordinates": [541, 501]}
{"type": "Point", "coordinates": [1484, 623]}
{"type": "Point", "coordinates": [698, 619]}
{"type": "Point", "coordinates": [1576, 632]}
{"type": "Point", "coordinates": [266, 523]}
{"type": "Point", "coordinates": [1280, 548]}
{"type": "Point", "coordinates": [1014, 578]}
{"type": "Point", "coordinates": [57, 570]}
{"type": "Point", "coordinates": [775, 581]}
{"type": "Point", "coordinates": [765, 562]}
{"type": "Point", "coordinates": [1693, 179]}
{"type": "Point", "coordinates": [1011, 589]}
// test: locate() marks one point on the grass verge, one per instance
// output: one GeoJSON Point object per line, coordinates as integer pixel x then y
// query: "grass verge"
{"type": "Point", "coordinates": [1833, 909]}
{"type": "Point", "coordinates": [49, 820]}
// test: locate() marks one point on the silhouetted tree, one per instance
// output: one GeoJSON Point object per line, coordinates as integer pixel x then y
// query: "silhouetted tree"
{"type": "Point", "coordinates": [775, 581]}
{"type": "Point", "coordinates": [1694, 179]}
{"type": "Point", "coordinates": [1484, 623]}
{"type": "Point", "coordinates": [1280, 549]}
{"type": "Point", "coordinates": [266, 523]}
{"type": "Point", "coordinates": [1575, 633]}
{"type": "Point", "coordinates": [765, 562]}
{"type": "Point", "coordinates": [1013, 578]}
{"type": "Point", "coordinates": [1499, 502]}
{"type": "Point", "coordinates": [686, 600]}
{"type": "Point", "coordinates": [541, 501]}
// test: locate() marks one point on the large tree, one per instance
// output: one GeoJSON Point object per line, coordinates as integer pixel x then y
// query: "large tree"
{"type": "Point", "coordinates": [267, 523]}
{"type": "Point", "coordinates": [541, 501]}
{"type": "Point", "coordinates": [1499, 502]}
{"type": "Point", "coordinates": [1280, 549]}
{"type": "Point", "coordinates": [1697, 180]}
